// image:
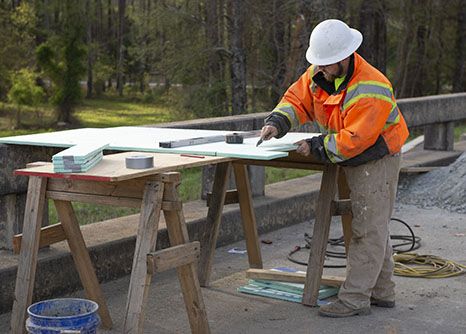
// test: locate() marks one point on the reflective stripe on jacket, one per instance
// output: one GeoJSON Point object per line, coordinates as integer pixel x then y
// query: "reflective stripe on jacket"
{"type": "Point", "coordinates": [357, 118]}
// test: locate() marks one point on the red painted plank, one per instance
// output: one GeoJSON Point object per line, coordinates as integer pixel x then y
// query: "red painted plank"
{"type": "Point", "coordinates": [64, 176]}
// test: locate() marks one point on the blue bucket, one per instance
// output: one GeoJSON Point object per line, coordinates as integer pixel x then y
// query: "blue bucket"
{"type": "Point", "coordinates": [63, 315]}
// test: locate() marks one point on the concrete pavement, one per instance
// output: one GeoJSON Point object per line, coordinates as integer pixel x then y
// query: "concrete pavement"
{"type": "Point", "coordinates": [423, 305]}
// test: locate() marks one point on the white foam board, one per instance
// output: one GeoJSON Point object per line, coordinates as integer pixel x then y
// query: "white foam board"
{"type": "Point", "coordinates": [147, 140]}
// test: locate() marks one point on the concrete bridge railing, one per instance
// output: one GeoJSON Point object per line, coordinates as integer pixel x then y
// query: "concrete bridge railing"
{"type": "Point", "coordinates": [436, 114]}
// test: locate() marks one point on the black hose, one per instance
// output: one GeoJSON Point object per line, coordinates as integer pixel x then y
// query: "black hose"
{"type": "Point", "coordinates": [410, 239]}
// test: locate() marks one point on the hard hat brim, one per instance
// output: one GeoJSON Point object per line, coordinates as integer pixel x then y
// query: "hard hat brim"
{"type": "Point", "coordinates": [356, 42]}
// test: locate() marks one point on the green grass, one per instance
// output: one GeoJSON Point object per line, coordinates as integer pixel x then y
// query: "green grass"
{"type": "Point", "coordinates": [95, 113]}
{"type": "Point", "coordinates": [91, 213]}
{"type": "Point", "coordinates": [273, 175]}
{"type": "Point", "coordinates": [108, 113]}
{"type": "Point", "coordinates": [460, 128]}
{"type": "Point", "coordinates": [33, 120]}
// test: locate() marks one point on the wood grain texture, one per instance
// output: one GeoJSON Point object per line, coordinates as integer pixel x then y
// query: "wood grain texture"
{"type": "Point", "coordinates": [347, 217]}
{"type": "Point", "coordinates": [48, 235]}
{"type": "Point", "coordinates": [173, 257]}
{"type": "Point", "coordinates": [231, 197]}
{"type": "Point", "coordinates": [145, 244]}
{"type": "Point", "coordinates": [35, 205]}
{"type": "Point", "coordinates": [328, 189]}
{"type": "Point", "coordinates": [209, 233]}
{"type": "Point", "coordinates": [247, 215]}
{"type": "Point", "coordinates": [187, 274]}
{"type": "Point", "coordinates": [274, 275]}
{"type": "Point", "coordinates": [95, 199]}
{"type": "Point", "coordinates": [82, 259]}
{"type": "Point", "coordinates": [113, 167]}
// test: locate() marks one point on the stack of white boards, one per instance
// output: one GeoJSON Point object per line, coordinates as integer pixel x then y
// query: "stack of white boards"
{"type": "Point", "coordinates": [79, 158]}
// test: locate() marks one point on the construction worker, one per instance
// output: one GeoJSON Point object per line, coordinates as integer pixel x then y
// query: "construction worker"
{"type": "Point", "coordinates": [363, 130]}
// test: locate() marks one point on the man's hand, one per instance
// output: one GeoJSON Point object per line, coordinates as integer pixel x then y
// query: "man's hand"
{"type": "Point", "coordinates": [268, 131]}
{"type": "Point", "coordinates": [314, 146]}
{"type": "Point", "coordinates": [303, 148]}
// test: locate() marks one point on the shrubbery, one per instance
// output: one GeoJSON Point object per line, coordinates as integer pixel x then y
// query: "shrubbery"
{"type": "Point", "coordinates": [24, 92]}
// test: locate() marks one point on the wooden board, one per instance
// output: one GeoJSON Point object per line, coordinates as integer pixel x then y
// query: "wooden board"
{"type": "Point", "coordinates": [113, 168]}
{"type": "Point", "coordinates": [274, 275]}
{"type": "Point", "coordinates": [25, 276]}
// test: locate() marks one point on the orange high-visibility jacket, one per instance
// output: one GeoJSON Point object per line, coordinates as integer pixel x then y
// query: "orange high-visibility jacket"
{"type": "Point", "coordinates": [361, 118]}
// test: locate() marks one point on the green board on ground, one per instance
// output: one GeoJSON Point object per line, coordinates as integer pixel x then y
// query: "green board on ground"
{"type": "Point", "coordinates": [292, 292]}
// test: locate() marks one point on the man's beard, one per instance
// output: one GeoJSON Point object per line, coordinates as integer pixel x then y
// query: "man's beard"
{"type": "Point", "coordinates": [331, 77]}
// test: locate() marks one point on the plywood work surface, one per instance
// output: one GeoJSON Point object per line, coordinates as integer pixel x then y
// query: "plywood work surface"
{"type": "Point", "coordinates": [113, 167]}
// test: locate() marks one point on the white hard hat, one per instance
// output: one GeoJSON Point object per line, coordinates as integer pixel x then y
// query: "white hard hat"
{"type": "Point", "coordinates": [332, 41]}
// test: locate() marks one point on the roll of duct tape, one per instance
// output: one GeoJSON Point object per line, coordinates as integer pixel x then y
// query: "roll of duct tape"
{"type": "Point", "coordinates": [139, 162]}
{"type": "Point", "coordinates": [234, 138]}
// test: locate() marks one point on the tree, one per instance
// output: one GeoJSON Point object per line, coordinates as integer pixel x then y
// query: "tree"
{"type": "Point", "coordinates": [62, 58]}
{"type": "Point", "coordinates": [459, 71]}
{"type": "Point", "coordinates": [24, 92]}
{"type": "Point", "coordinates": [90, 49]}
{"type": "Point", "coordinates": [216, 53]}
{"type": "Point", "coordinates": [16, 42]}
{"type": "Point", "coordinates": [121, 47]}
{"type": "Point", "coordinates": [372, 24]}
{"type": "Point", "coordinates": [238, 58]}
{"type": "Point", "coordinates": [278, 49]}
{"type": "Point", "coordinates": [202, 54]}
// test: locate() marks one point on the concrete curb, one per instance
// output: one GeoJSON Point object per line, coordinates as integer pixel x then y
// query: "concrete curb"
{"type": "Point", "coordinates": [285, 203]}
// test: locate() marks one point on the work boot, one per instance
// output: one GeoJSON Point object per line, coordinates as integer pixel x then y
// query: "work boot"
{"type": "Point", "coordinates": [340, 310]}
{"type": "Point", "coordinates": [382, 303]}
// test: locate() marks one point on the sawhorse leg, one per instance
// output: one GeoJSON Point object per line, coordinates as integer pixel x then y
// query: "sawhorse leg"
{"type": "Point", "coordinates": [145, 243]}
{"type": "Point", "coordinates": [35, 204]}
{"type": "Point", "coordinates": [163, 195]}
{"type": "Point", "coordinates": [247, 215]}
{"type": "Point", "coordinates": [347, 218]}
{"type": "Point", "coordinates": [187, 273]}
{"type": "Point", "coordinates": [82, 259]}
{"type": "Point", "coordinates": [208, 238]}
{"type": "Point", "coordinates": [328, 189]}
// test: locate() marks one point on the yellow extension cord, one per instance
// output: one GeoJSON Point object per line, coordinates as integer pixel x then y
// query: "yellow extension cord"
{"type": "Point", "coordinates": [426, 266]}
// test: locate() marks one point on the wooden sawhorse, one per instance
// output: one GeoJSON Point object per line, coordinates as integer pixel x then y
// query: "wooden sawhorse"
{"type": "Point", "coordinates": [109, 183]}
{"type": "Point", "coordinates": [333, 181]}
{"type": "Point", "coordinates": [182, 255]}
{"type": "Point", "coordinates": [31, 239]}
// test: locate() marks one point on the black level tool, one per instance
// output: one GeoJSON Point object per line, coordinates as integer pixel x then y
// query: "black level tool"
{"type": "Point", "coordinates": [232, 138]}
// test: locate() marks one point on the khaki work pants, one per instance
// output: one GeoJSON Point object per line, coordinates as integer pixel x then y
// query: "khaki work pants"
{"type": "Point", "coordinates": [369, 270]}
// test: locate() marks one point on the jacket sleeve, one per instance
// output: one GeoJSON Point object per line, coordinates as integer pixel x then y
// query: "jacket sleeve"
{"type": "Point", "coordinates": [365, 112]}
{"type": "Point", "coordinates": [295, 107]}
